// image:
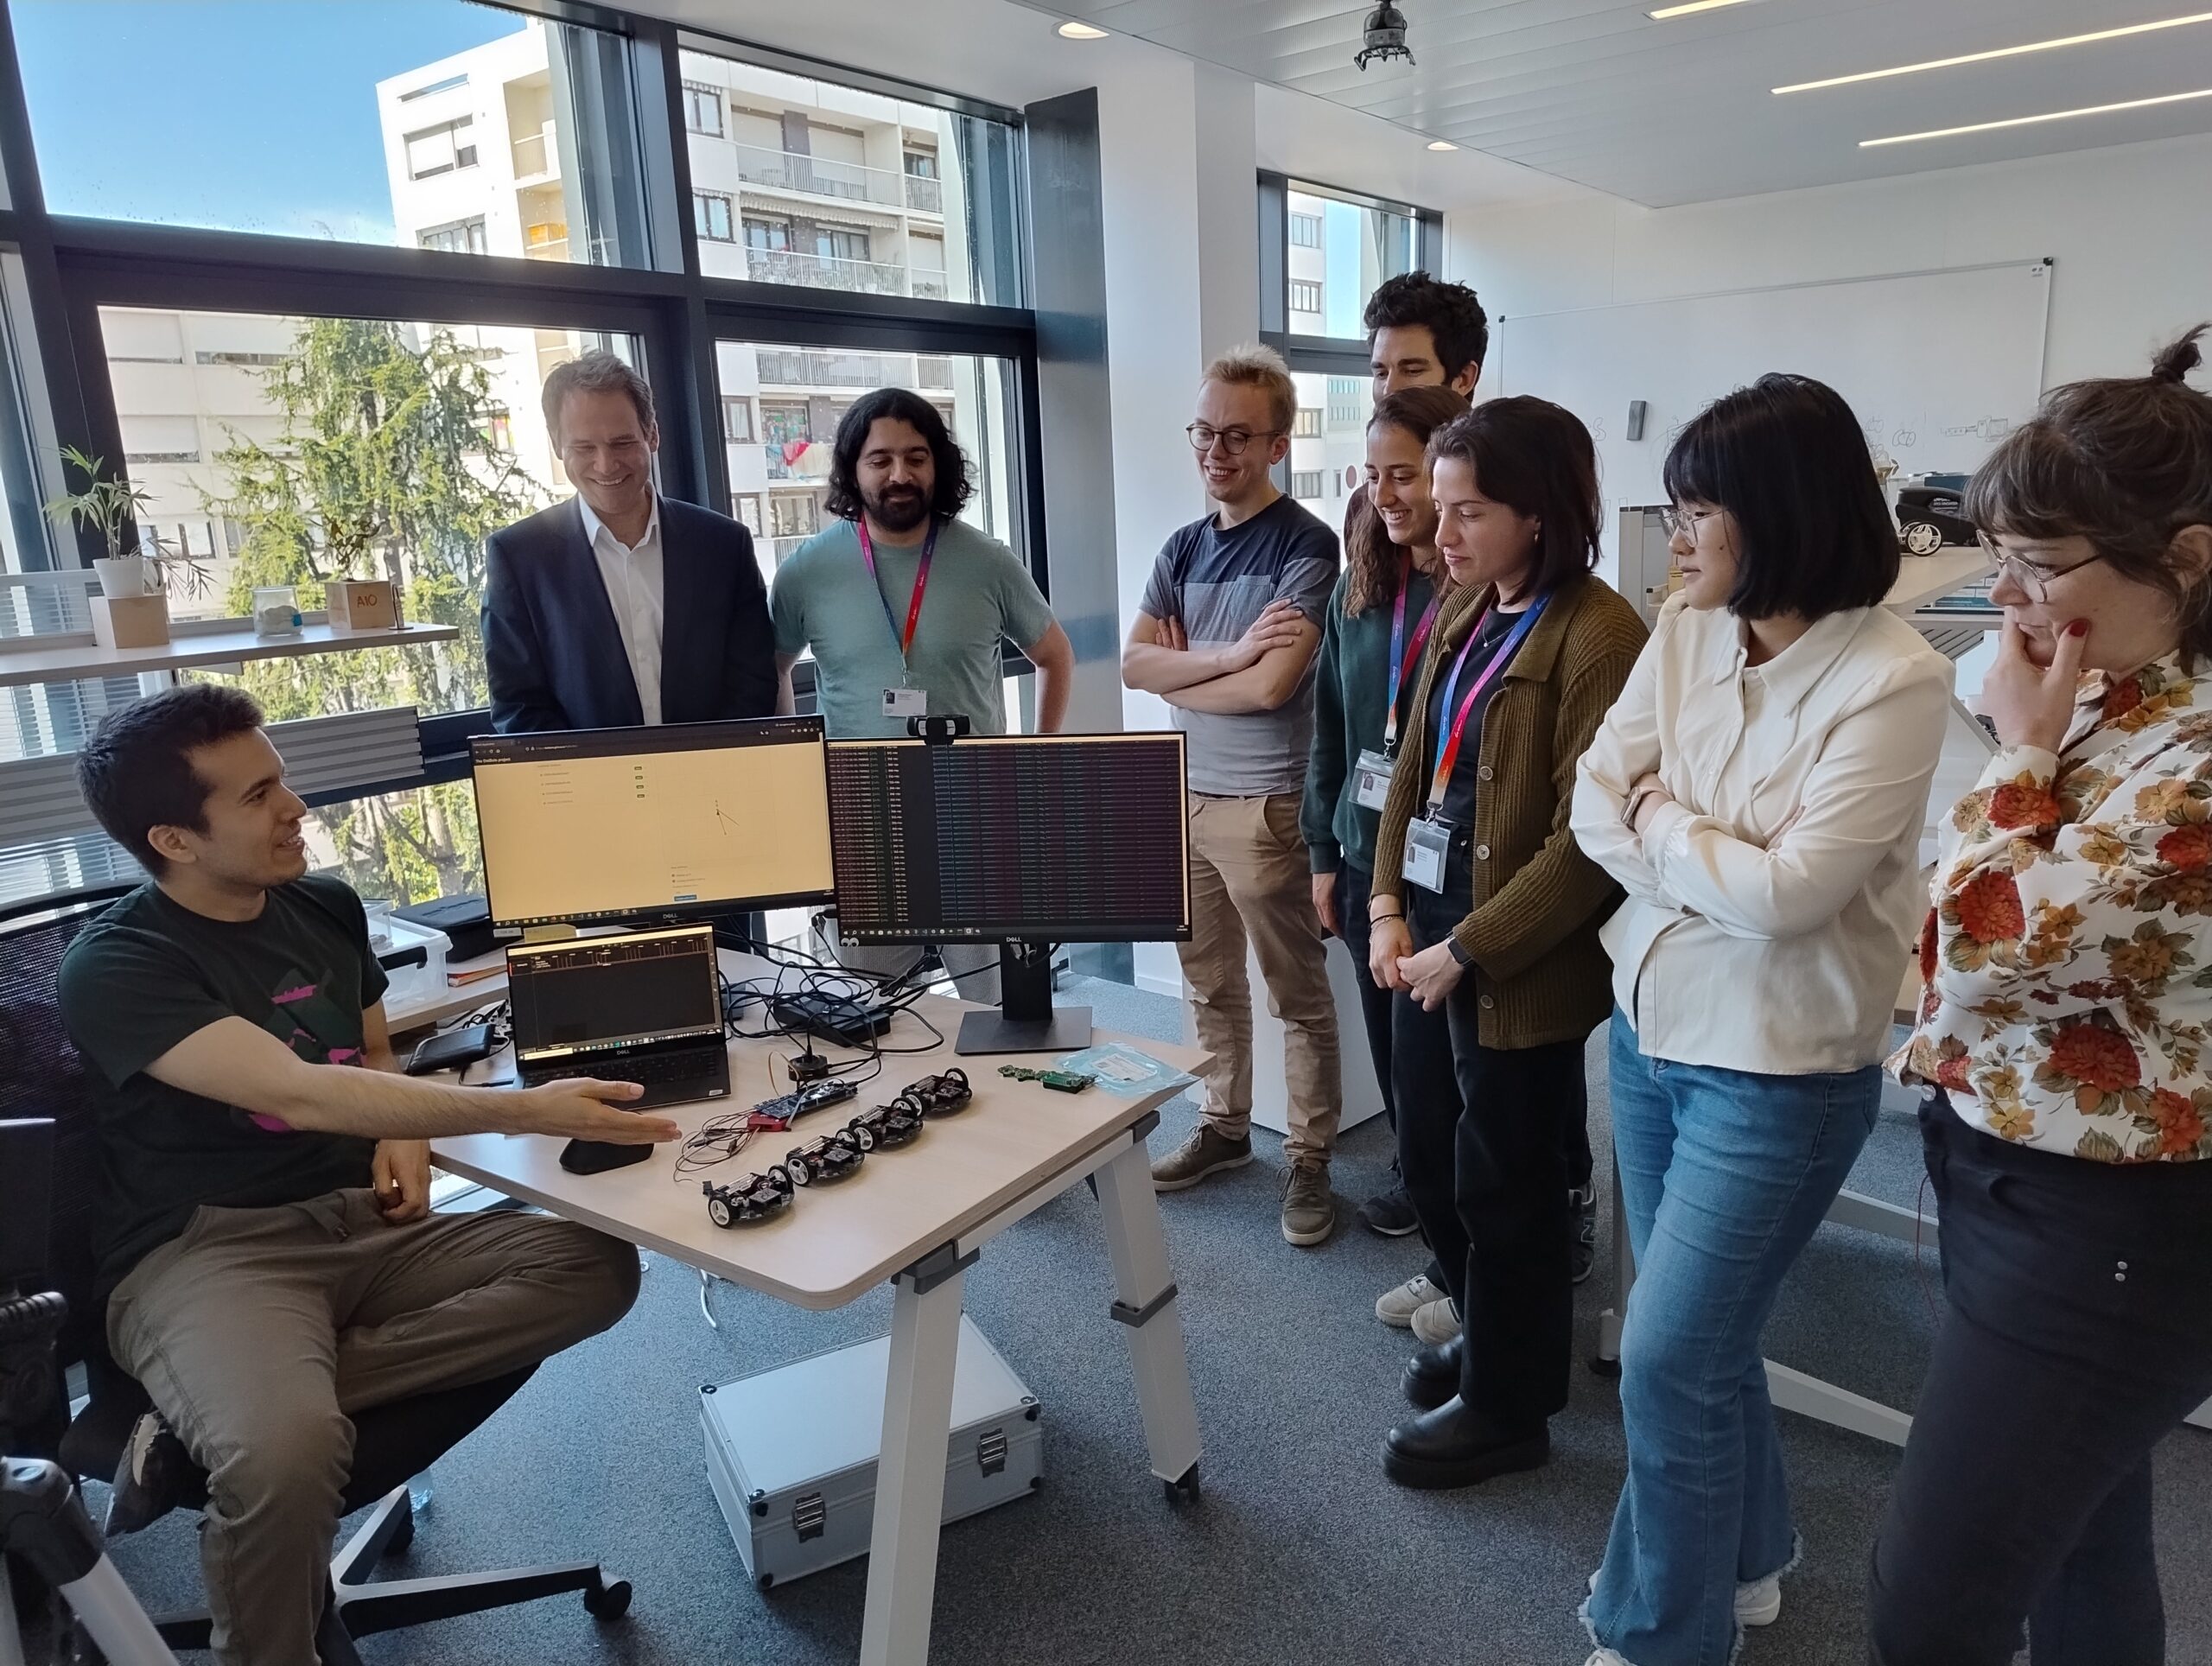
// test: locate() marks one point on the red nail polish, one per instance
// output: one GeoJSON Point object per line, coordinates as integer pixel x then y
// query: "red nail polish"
{"type": "Point", "coordinates": [2079, 627]}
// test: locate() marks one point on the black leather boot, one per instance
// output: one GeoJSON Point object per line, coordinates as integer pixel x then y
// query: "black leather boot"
{"type": "Point", "coordinates": [1454, 1446]}
{"type": "Point", "coordinates": [1432, 1374]}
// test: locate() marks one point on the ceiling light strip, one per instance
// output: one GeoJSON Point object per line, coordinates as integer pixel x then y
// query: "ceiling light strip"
{"type": "Point", "coordinates": [1664, 12]}
{"type": "Point", "coordinates": [2030, 121]}
{"type": "Point", "coordinates": [2001, 52]}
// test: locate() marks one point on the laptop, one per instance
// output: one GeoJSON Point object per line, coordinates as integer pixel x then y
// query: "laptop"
{"type": "Point", "coordinates": [644, 1006]}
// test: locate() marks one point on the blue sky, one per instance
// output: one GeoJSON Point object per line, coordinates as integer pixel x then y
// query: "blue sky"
{"type": "Point", "coordinates": [249, 115]}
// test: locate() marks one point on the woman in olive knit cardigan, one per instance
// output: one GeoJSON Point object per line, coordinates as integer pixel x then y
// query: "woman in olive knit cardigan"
{"type": "Point", "coordinates": [1484, 905]}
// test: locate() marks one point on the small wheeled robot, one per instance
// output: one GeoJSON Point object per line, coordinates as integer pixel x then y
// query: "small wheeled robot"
{"type": "Point", "coordinates": [830, 1158]}
{"type": "Point", "coordinates": [755, 1198]}
{"type": "Point", "coordinates": [938, 1096]}
{"type": "Point", "coordinates": [887, 1127]}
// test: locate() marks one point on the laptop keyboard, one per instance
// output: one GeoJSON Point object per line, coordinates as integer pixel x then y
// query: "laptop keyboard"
{"type": "Point", "coordinates": [699, 1070]}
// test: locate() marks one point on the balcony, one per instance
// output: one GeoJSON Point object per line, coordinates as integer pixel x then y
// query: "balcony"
{"type": "Point", "coordinates": [825, 271]}
{"type": "Point", "coordinates": [924, 195]}
{"type": "Point", "coordinates": [818, 176]}
{"type": "Point", "coordinates": [803, 368]}
{"type": "Point", "coordinates": [537, 157]}
{"type": "Point", "coordinates": [929, 286]}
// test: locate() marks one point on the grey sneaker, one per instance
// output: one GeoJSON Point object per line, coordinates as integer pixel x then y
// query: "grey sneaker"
{"type": "Point", "coordinates": [1397, 1305]}
{"type": "Point", "coordinates": [1205, 1153]}
{"type": "Point", "coordinates": [1436, 1322]}
{"type": "Point", "coordinates": [1309, 1209]}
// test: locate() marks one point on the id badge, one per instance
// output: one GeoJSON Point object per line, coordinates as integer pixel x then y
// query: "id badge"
{"type": "Point", "coordinates": [1427, 844]}
{"type": "Point", "coordinates": [906, 702]}
{"type": "Point", "coordinates": [1371, 779]}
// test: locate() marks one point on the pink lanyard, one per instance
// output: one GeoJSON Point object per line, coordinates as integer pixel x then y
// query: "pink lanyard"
{"type": "Point", "coordinates": [1402, 662]}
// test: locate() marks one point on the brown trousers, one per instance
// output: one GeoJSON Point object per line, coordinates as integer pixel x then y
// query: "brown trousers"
{"type": "Point", "coordinates": [259, 1332]}
{"type": "Point", "coordinates": [1250, 878]}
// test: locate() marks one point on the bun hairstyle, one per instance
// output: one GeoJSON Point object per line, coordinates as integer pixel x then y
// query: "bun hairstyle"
{"type": "Point", "coordinates": [2123, 461]}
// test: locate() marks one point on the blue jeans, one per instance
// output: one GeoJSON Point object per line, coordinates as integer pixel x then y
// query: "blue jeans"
{"type": "Point", "coordinates": [1725, 1175]}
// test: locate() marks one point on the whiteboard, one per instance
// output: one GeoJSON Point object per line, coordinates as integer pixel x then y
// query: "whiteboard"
{"type": "Point", "coordinates": [1937, 365]}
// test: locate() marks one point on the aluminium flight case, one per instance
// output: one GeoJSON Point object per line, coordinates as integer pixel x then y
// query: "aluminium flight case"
{"type": "Point", "coordinates": [791, 1451]}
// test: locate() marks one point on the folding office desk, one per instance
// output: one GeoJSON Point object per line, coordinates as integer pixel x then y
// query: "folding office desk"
{"type": "Point", "coordinates": [919, 1217]}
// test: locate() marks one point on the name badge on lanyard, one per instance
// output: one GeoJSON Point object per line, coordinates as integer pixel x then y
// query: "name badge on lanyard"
{"type": "Point", "coordinates": [1371, 775]}
{"type": "Point", "coordinates": [906, 700]}
{"type": "Point", "coordinates": [1428, 840]}
{"type": "Point", "coordinates": [1371, 779]}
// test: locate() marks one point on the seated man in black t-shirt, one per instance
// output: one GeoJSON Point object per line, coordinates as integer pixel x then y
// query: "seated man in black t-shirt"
{"type": "Point", "coordinates": [269, 1261]}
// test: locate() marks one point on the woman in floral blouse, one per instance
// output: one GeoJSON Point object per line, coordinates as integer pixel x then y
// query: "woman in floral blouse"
{"type": "Point", "coordinates": [2067, 1030]}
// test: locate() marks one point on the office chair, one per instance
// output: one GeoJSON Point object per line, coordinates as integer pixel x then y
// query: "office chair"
{"type": "Point", "coordinates": [41, 1076]}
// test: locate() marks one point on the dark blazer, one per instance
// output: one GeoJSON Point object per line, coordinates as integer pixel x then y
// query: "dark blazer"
{"type": "Point", "coordinates": [554, 654]}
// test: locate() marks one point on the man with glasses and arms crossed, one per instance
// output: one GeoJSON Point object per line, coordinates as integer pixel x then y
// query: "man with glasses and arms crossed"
{"type": "Point", "coordinates": [1227, 634]}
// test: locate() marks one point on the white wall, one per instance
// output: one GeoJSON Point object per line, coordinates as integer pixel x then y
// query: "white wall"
{"type": "Point", "coordinates": [2127, 225]}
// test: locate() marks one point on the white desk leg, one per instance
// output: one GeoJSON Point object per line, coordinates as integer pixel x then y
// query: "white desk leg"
{"type": "Point", "coordinates": [910, 1476]}
{"type": "Point", "coordinates": [1792, 1391]}
{"type": "Point", "coordinates": [1607, 1360]}
{"type": "Point", "coordinates": [1145, 1302]}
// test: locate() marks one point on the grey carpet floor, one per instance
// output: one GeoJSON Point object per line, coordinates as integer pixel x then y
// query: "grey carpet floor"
{"type": "Point", "coordinates": [1300, 1551]}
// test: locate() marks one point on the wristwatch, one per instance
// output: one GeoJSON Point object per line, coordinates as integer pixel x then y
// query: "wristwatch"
{"type": "Point", "coordinates": [1458, 951]}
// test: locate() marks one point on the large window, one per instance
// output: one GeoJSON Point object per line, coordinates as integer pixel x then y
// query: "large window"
{"type": "Point", "coordinates": [843, 186]}
{"type": "Point", "coordinates": [364, 121]}
{"type": "Point", "coordinates": [331, 448]}
{"type": "Point", "coordinates": [294, 413]}
{"type": "Point", "coordinates": [1354, 246]}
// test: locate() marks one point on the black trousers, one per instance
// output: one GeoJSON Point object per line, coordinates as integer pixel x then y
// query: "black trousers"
{"type": "Point", "coordinates": [2078, 1333]}
{"type": "Point", "coordinates": [1484, 1135]}
{"type": "Point", "coordinates": [1377, 1004]}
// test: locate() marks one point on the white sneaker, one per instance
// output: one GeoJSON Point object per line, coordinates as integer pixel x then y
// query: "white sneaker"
{"type": "Point", "coordinates": [1397, 1306]}
{"type": "Point", "coordinates": [1606, 1658]}
{"type": "Point", "coordinates": [1759, 1603]}
{"type": "Point", "coordinates": [1436, 1322]}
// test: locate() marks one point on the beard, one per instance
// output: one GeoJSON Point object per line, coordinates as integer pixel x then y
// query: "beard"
{"type": "Point", "coordinates": [901, 509]}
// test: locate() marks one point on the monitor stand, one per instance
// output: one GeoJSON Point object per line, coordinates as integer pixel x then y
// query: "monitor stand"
{"type": "Point", "coordinates": [1027, 1020]}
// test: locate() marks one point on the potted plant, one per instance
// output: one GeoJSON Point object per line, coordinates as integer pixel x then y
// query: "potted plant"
{"type": "Point", "coordinates": [354, 602]}
{"type": "Point", "coordinates": [115, 508]}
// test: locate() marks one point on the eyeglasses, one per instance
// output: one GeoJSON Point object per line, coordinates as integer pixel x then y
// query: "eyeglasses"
{"type": "Point", "coordinates": [2030, 575]}
{"type": "Point", "coordinates": [1682, 522]}
{"type": "Point", "coordinates": [1233, 440]}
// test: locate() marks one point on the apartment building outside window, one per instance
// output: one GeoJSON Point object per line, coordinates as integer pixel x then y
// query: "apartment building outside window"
{"type": "Point", "coordinates": [1306, 425]}
{"type": "Point", "coordinates": [1305, 295]}
{"type": "Point", "coordinates": [737, 420]}
{"type": "Point", "coordinates": [1306, 485]}
{"type": "Point", "coordinates": [1305, 231]}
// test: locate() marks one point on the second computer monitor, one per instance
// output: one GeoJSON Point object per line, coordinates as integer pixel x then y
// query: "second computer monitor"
{"type": "Point", "coordinates": [1060, 839]}
{"type": "Point", "coordinates": [673, 822]}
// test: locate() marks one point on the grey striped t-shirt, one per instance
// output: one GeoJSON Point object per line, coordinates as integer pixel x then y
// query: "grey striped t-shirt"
{"type": "Point", "coordinates": [1216, 582]}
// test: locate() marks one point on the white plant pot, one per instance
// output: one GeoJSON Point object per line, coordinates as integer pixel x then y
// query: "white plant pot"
{"type": "Point", "coordinates": [123, 576]}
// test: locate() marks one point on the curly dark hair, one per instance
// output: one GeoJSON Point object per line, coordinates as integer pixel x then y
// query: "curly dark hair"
{"type": "Point", "coordinates": [2125, 462]}
{"type": "Point", "coordinates": [1372, 560]}
{"type": "Point", "coordinates": [1454, 319]}
{"type": "Point", "coordinates": [954, 486]}
{"type": "Point", "coordinates": [136, 772]}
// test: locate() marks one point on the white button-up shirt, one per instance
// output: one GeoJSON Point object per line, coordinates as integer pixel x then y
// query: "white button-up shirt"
{"type": "Point", "coordinates": [637, 591]}
{"type": "Point", "coordinates": [1771, 904]}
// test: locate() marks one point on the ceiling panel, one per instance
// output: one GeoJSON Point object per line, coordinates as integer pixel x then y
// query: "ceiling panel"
{"type": "Point", "coordinates": [1663, 113]}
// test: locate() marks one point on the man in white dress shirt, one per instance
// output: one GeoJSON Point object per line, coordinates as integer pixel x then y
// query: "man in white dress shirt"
{"type": "Point", "coordinates": [621, 607]}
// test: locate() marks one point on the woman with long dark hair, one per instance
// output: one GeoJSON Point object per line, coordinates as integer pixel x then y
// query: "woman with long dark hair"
{"type": "Point", "coordinates": [1759, 790]}
{"type": "Point", "coordinates": [1378, 622]}
{"type": "Point", "coordinates": [2065, 1033]}
{"type": "Point", "coordinates": [1483, 910]}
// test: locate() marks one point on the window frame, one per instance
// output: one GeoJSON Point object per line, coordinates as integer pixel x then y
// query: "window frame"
{"type": "Point", "coordinates": [71, 266]}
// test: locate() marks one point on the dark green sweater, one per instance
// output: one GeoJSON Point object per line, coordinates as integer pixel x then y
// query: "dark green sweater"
{"type": "Point", "coordinates": [1350, 688]}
